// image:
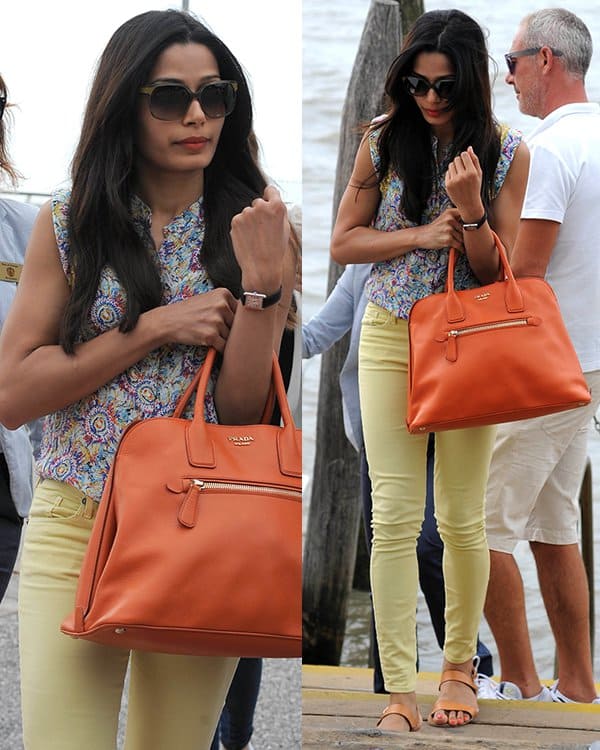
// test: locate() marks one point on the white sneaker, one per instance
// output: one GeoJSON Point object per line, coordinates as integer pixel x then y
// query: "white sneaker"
{"type": "Point", "coordinates": [507, 691]}
{"type": "Point", "coordinates": [487, 688]}
{"type": "Point", "coordinates": [512, 692]}
{"type": "Point", "coordinates": [559, 697]}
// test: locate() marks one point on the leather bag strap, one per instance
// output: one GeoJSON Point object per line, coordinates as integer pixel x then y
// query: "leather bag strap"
{"type": "Point", "coordinates": [184, 399]}
{"type": "Point", "coordinates": [199, 444]}
{"type": "Point", "coordinates": [513, 298]}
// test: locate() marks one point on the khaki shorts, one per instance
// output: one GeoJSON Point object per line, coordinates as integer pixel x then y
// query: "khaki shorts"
{"type": "Point", "coordinates": [535, 477]}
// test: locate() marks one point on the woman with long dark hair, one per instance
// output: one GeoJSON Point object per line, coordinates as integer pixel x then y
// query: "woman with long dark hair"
{"type": "Point", "coordinates": [169, 241]}
{"type": "Point", "coordinates": [436, 171]}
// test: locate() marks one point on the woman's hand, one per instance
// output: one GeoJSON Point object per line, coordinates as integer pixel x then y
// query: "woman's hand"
{"type": "Point", "coordinates": [445, 231]}
{"type": "Point", "coordinates": [463, 185]}
{"type": "Point", "coordinates": [202, 320]}
{"type": "Point", "coordinates": [260, 236]}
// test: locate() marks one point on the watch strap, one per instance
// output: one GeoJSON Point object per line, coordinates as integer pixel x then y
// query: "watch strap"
{"type": "Point", "coordinates": [470, 226]}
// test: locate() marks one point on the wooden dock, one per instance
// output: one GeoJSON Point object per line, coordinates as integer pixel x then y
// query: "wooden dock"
{"type": "Point", "coordinates": [339, 710]}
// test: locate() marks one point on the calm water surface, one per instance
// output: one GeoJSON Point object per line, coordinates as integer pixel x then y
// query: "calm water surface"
{"type": "Point", "coordinates": [331, 34]}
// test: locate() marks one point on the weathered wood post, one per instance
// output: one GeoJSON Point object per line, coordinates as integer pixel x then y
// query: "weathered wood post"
{"type": "Point", "coordinates": [334, 517]}
{"type": "Point", "coordinates": [586, 504]}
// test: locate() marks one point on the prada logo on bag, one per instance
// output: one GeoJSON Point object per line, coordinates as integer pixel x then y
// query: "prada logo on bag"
{"type": "Point", "coordinates": [240, 439]}
{"type": "Point", "coordinates": [482, 297]}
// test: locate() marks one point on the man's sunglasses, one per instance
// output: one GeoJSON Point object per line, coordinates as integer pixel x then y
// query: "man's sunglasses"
{"type": "Point", "coordinates": [170, 101]}
{"type": "Point", "coordinates": [2, 104]}
{"type": "Point", "coordinates": [512, 57]}
{"type": "Point", "coordinates": [418, 86]}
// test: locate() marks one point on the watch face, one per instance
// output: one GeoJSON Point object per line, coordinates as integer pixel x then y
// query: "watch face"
{"type": "Point", "coordinates": [254, 301]}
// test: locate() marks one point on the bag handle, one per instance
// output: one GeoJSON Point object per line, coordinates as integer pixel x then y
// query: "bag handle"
{"type": "Point", "coordinates": [200, 447]}
{"type": "Point", "coordinates": [276, 381]}
{"type": "Point", "coordinates": [184, 399]}
{"type": "Point", "coordinates": [513, 298]}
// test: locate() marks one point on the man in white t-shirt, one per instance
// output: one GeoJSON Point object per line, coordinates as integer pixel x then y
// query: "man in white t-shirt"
{"type": "Point", "coordinates": [538, 464]}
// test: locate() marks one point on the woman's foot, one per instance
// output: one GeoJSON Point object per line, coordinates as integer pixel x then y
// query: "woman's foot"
{"type": "Point", "coordinates": [401, 715]}
{"type": "Point", "coordinates": [457, 702]}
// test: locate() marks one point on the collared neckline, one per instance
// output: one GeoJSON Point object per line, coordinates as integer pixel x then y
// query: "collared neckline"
{"type": "Point", "coordinates": [182, 223]}
{"type": "Point", "coordinates": [575, 108]}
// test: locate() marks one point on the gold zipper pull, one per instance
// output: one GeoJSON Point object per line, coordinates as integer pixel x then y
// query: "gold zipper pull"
{"type": "Point", "coordinates": [188, 510]}
{"type": "Point", "coordinates": [451, 346]}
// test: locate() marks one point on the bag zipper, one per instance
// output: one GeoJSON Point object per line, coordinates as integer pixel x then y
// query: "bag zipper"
{"type": "Point", "coordinates": [189, 504]}
{"type": "Point", "coordinates": [453, 334]}
{"type": "Point", "coordinates": [204, 484]}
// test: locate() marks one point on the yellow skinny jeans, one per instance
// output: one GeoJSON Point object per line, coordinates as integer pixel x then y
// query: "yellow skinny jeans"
{"type": "Point", "coordinates": [397, 468]}
{"type": "Point", "coordinates": [71, 689]}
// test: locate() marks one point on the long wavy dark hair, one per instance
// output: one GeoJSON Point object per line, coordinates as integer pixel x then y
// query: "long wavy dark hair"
{"type": "Point", "coordinates": [101, 230]}
{"type": "Point", "coordinates": [405, 137]}
{"type": "Point", "coordinates": [6, 167]}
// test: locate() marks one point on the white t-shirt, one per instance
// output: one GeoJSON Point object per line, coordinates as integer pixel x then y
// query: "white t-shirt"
{"type": "Point", "coordinates": [564, 186]}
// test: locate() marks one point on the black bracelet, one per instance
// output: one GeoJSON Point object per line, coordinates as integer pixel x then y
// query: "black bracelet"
{"type": "Point", "coordinates": [471, 226]}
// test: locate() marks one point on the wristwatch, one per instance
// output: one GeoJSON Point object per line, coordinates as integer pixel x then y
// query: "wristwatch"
{"type": "Point", "coordinates": [259, 301]}
{"type": "Point", "coordinates": [473, 225]}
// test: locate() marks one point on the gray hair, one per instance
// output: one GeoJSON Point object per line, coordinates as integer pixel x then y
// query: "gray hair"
{"type": "Point", "coordinates": [561, 30]}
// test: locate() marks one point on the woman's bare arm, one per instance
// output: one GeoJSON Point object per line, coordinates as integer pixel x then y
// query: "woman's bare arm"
{"type": "Point", "coordinates": [355, 241]}
{"type": "Point", "coordinates": [37, 377]}
{"type": "Point", "coordinates": [260, 237]}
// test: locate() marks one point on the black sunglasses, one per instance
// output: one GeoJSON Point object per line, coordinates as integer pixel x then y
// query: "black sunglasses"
{"type": "Point", "coordinates": [512, 57]}
{"type": "Point", "coordinates": [2, 104]}
{"type": "Point", "coordinates": [170, 101]}
{"type": "Point", "coordinates": [416, 85]}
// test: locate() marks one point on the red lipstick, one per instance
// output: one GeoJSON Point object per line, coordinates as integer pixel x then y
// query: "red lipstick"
{"type": "Point", "coordinates": [193, 143]}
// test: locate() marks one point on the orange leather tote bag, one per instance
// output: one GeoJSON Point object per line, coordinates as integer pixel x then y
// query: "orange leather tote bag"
{"type": "Point", "coordinates": [196, 548]}
{"type": "Point", "coordinates": [496, 353]}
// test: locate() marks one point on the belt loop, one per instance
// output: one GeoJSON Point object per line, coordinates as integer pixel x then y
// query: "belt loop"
{"type": "Point", "coordinates": [89, 507]}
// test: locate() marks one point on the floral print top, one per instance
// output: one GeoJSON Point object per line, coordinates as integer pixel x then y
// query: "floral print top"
{"type": "Point", "coordinates": [396, 284]}
{"type": "Point", "coordinates": [80, 440]}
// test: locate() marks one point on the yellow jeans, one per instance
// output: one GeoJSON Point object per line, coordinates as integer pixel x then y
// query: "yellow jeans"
{"type": "Point", "coordinates": [397, 468]}
{"type": "Point", "coordinates": [71, 689]}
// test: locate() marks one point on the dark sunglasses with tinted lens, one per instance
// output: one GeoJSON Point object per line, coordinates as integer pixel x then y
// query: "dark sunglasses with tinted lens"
{"type": "Point", "coordinates": [418, 86]}
{"type": "Point", "coordinates": [512, 57]}
{"type": "Point", "coordinates": [170, 101]}
{"type": "Point", "coordinates": [2, 104]}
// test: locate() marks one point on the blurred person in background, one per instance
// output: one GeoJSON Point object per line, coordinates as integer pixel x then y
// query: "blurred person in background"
{"type": "Point", "coordinates": [538, 464]}
{"type": "Point", "coordinates": [16, 464]}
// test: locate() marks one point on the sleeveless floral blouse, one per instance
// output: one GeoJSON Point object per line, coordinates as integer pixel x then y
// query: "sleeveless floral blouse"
{"type": "Point", "coordinates": [79, 441]}
{"type": "Point", "coordinates": [396, 284]}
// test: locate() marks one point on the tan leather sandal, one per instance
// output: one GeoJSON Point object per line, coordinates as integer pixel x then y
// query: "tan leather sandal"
{"type": "Point", "coordinates": [447, 705]}
{"type": "Point", "coordinates": [413, 718]}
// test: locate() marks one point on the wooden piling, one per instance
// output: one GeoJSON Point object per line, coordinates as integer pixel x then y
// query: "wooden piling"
{"type": "Point", "coordinates": [335, 512]}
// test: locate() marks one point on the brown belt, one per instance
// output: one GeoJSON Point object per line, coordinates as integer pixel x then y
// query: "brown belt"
{"type": "Point", "coordinates": [10, 271]}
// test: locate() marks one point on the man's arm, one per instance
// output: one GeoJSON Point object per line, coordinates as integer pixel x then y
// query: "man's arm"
{"type": "Point", "coordinates": [533, 247]}
{"type": "Point", "coordinates": [333, 320]}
